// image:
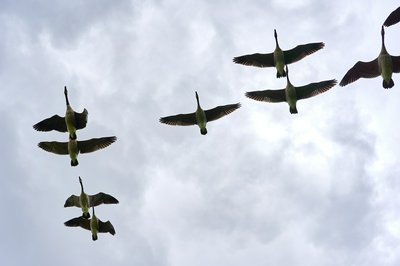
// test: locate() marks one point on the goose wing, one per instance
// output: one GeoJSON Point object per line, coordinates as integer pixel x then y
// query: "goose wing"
{"type": "Point", "coordinates": [313, 89]}
{"type": "Point", "coordinates": [81, 119]}
{"type": "Point", "coordinates": [220, 111]}
{"type": "Point", "coordinates": [396, 63]}
{"type": "Point", "coordinates": [72, 201]}
{"type": "Point", "coordinates": [78, 221]}
{"type": "Point", "coordinates": [393, 18]}
{"type": "Point", "coordinates": [180, 120]}
{"type": "Point", "coordinates": [54, 147]}
{"type": "Point", "coordinates": [101, 198]}
{"type": "Point", "coordinates": [95, 144]}
{"type": "Point", "coordinates": [257, 60]}
{"type": "Point", "coordinates": [301, 51]}
{"type": "Point", "coordinates": [271, 96]}
{"type": "Point", "coordinates": [55, 122]}
{"type": "Point", "coordinates": [361, 70]}
{"type": "Point", "coordinates": [106, 227]}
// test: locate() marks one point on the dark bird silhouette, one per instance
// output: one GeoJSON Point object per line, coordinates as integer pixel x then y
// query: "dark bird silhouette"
{"type": "Point", "coordinates": [291, 94]}
{"type": "Point", "coordinates": [200, 117]}
{"type": "Point", "coordinates": [73, 147]}
{"type": "Point", "coordinates": [85, 201]}
{"type": "Point", "coordinates": [71, 122]}
{"type": "Point", "coordinates": [279, 58]}
{"type": "Point", "coordinates": [94, 225]}
{"type": "Point", "coordinates": [384, 65]}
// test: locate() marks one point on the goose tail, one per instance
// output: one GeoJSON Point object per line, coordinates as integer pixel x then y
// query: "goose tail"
{"type": "Point", "coordinates": [280, 75]}
{"type": "Point", "coordinates": [74, 162]}
{"type": "Point", "coordinates": [293, 110]}
{"type": "Point", "coordinates": [86, 215]}
{"type": "Point", "coordinates": [203, 131]}
{"type": "Point", "coordinates": [388, 84]}
{"type": "Point", "coordinates": [94, 237]}
{"type": "Point", "coordinates": [72, 136]}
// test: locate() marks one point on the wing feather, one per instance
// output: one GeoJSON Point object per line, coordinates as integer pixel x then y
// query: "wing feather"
{"type": "Point", "coordinates": [272, 96]}
{"type": "Point", "coordinates": [220, 111]}
{"type": "Point", "coordinates": [95, 144]}
{"type": "Point", "coordinates": [257, 60]}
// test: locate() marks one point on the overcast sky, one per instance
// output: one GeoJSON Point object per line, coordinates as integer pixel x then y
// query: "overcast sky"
{"type": "Point", "coordinates": [263, 187]}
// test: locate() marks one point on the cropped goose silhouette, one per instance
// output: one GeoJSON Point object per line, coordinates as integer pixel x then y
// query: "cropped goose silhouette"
{"type": "Point", "coordinates": [200, 117]}
{"type": "Point", "coordinates": [73, 147]}
{"type": "Point", "coordinates": [85, 201]}
{"type": "Point", "coordinates": [71, 122]}
{"type": "Point", "coordinates": [393, 18]}
{"type": "Point", "coordinates": [384, 65]}
{"type": "Point", "coordinates": [291, 94]}
{"type": "Point", "coordinates": [279, 58]}
{"type": "Point", "coordinates": [95, 225]}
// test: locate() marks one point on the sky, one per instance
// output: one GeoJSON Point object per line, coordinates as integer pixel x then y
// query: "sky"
{"type": "Point", "coordinates": [263, 187]}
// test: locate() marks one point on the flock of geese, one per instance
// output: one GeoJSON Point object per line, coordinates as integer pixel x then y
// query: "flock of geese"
{"type": "Point", "coordinates": [384, 65]}
{"type": "Point", "coordinates": [71, 122]}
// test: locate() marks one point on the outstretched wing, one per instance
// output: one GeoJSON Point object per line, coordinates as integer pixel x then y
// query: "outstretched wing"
{"type": "Point", "coordinates": [78, 221]}
{"type": "Point", "coordinates": [180, 120]}
{"type": "Point", "coordinates": [257, 60]}
{"type": "Point", "coordinates": [72, 201]}
{"type": "Point", "coordinates": [361, 70]}
{"type": "Point", "coordinates": [396, 63]}
{"type": "Point", "coordinates": [95, 144]}
{"type": "Point", "coordinates": [55, 122]}
{"type": "Point", "coordinates": [54, 147]}
{"type": "Point", "coordinates": [271, 96]}
{"type": "Point", "coordinates": [301, 51]}
{"type": "Point", "coordinates": [220, 111]}
{"type": "Point", "coordinates": [393, 18]}
{"type": "Point", "coordinates": [81, 119]}
{"type": "Point", "coordinates": [313, 89]}
{"type": "Point", "coordinates": [102, 198]}
{"type": "Point", "coordinates": [106, 227]}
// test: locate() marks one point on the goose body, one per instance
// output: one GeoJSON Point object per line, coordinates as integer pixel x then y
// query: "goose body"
{"type": "Point", "coordinates": [73, 147]}
{"type": "Point", "coordinates": [393, 18]}
{"type": "Point", "coordinates": [200, 117]}
{"type": "Point", "coordinates": [384, 65]}
{"type": "Point", "coordinates": [71, 122]}
{"type": "Point", "coordinates": [94, 225]}
{"type": "Point", "coordinates": [85, 201]}
{"type": "Point", "coordinates": [291, 94]}
{"type": "Point", "coordinates": [279, 58]}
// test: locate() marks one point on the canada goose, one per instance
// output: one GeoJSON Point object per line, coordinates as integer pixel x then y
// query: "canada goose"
{"type": "Point", "coordinates": [393, 18]}
{"type": "Point", "coordinates": [85, 201]}
{"type": "Point", "coordinates": [200, 117]}
{"type": "Point", "coordinates": [279, 58]}
{"type": "Point", "coordinates": [71, 122]}
{"type": "Point", "coordinates": [383, 65]}
{"type": "Point", "coordinates": [94, 224]}
{"type": "Point", "coordinates": [73, 147]}
{"type": "Point", "coordinates": [291, 94]}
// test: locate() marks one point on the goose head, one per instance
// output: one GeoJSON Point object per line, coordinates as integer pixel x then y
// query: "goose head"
{"type": "Point", "coordinates": [66, 95]}
{"type": "Point", "coordinates": [276, 38]}
{"type": "Point", "coordinates": [80, 181]}
{"type": "Point", "coordinates": [197, 99]}
{"type": "Point", "coordinates": [287, 74]}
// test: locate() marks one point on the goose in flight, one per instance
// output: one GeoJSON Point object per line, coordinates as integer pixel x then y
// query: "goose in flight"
{"type": "Point", "coordinates": [71, 122]}
{"type": "Point", "coordinates": [200, 117]}
{"type": "Point", "coordinates": [279, 58]}
{"type": "Point", "coordinates": [73, 147]}
{"type": "Point", "coordinates": [291, 94]}
{"type": "Point", "coordinates": [85, 201]}
{"type": "Point", "coordinates": [384, 65]}
{"type": "Point", "coordinates": [393, 18]}
{"type": "Point", "coordinates": [95, 225]}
